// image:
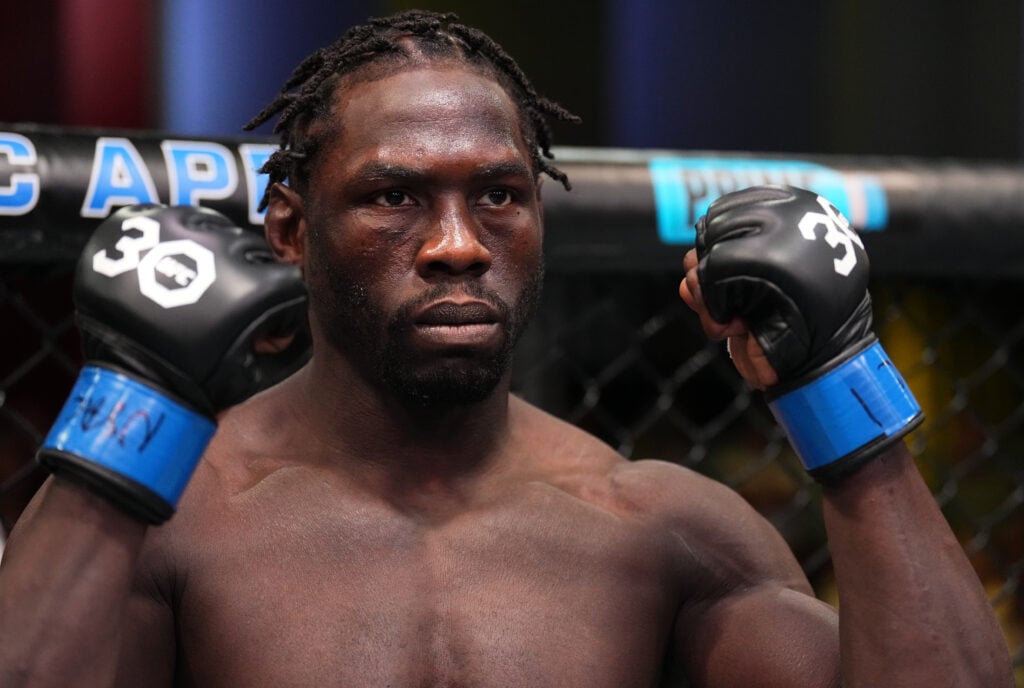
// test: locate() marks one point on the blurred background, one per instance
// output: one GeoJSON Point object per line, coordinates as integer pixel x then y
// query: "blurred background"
{"type": "Point", "coordinates": [617, 354]}
{"type": "Point", "coordinates": [844, 76]}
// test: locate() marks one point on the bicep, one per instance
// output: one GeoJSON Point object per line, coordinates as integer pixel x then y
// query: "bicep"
{"type": "Point", "coordinates": [768, 635]}
{"type": "Point", "coordinates": [749, 616]}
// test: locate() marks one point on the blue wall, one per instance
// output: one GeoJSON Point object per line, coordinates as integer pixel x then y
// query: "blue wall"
{"type": "Point", "coordinates": [736, 74]}
{"type": "Point", "coordinates": [221, 62]}
{"type": "Point", "coordinates": [913, 77]}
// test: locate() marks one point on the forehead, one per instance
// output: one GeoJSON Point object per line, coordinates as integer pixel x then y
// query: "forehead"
{"type": "Point", "coordinates": [449, 111]}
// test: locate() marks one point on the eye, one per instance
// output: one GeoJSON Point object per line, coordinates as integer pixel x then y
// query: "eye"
{"type": "Point", "coordinates": [497, 197]}
{"type": "Point", "coordinates": [392, 198]}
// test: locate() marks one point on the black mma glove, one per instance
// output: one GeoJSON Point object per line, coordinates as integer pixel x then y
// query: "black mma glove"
{"type": "Point", "coordinates": [168, 301]}
{"type": "Point", "coordinates": [786, 262]}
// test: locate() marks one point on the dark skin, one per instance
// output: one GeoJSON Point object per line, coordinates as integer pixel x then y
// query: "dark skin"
{"type": "Point", "coordinates": [339, 534]}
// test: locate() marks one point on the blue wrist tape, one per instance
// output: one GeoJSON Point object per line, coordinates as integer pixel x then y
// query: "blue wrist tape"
{"type": "Point", "coordinates": [120, 424]}
{"type": "Point", "coordinates": [862, 402]}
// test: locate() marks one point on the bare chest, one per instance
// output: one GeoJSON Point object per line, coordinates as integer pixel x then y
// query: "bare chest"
{"type": "Point", "coordinates": [538, 590]}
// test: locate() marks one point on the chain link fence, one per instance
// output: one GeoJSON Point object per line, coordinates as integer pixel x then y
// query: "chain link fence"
{"type": "Point", "coordinates": [620, 355]}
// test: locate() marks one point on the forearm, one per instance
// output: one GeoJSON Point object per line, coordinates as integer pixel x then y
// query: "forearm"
{"type": "Point", "coordinates": [913, 612]}
{"type": "Point", "coordinates": [64, 582]}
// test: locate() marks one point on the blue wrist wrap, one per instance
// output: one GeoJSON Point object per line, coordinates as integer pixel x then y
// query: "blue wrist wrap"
{"type": "Point", "coordinates": [859, 406]}
{"type": "Point", "coordinates": [118, 423]}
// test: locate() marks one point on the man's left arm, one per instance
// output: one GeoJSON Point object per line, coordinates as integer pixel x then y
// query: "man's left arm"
{"type": "Point", "coordinates": [913, 612]}
{"type": "Point", "coordinates": [780, 275]}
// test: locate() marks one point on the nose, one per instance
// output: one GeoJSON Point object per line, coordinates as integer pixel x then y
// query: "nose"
{"type": "Point", "coordinates": [453, 247]}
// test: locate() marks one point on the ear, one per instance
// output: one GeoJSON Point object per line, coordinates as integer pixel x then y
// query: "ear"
{"type": "Point", "coordinates": [285, 224]}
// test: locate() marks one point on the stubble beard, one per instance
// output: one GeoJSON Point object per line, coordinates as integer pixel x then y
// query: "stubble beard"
{"type": "Point", "coordinates": [377, 343]}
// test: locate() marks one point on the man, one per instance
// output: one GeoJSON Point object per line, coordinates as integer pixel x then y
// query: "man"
{"type": "Point", "coordinates": [390, 516]}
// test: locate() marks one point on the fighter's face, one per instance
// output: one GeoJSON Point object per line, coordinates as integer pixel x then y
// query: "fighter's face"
{"type": "Point", "coordinates": [424, 254]}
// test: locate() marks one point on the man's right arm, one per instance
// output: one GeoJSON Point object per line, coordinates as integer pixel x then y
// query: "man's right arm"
{"type": "Point", "coordinates": [171, 302]}
{"type": "Point", "coordinates": [70, 613]}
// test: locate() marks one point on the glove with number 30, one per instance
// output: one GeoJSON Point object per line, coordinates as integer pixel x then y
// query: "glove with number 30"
{"type": "Point", "coordinates": [786, 262]}
{"type": "Point", "coordinates": [169, 301]}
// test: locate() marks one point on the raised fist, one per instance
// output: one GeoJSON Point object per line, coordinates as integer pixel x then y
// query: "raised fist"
{"type": "Point", "coordinates": [170, 302]}
{"type": "Point", "coordinates": [786, 266]}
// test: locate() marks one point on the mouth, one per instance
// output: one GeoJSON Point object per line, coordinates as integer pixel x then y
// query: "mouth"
{"type": "Point", "coordinates": [449, 324]}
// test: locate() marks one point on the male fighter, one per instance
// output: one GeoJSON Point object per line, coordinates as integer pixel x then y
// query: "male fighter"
{"type": "Point", "coordinates": [390, 515]}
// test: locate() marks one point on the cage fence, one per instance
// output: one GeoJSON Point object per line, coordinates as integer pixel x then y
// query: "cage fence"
{"type": "Point", "coordinates": [619, 355]}
{"type": "Point", "coordinates": [613, 349]}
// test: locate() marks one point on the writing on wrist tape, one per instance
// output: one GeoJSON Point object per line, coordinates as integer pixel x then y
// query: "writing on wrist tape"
{"type": "Point", "coordinates": [125, 427]}
{"type": "Point", "coordinates": [860, 404]}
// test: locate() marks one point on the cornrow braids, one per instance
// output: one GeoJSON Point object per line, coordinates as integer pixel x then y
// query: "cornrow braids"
{"type": "Point", "coordinates": [305, 97]}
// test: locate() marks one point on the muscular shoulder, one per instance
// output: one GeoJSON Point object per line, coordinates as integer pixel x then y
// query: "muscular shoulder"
{"type": "Point", "coordinates": [674, 495]}
{"type": "Point", "coordinates": [253, 441]}
{"type": "Point", "coordinates": [720, 540]}
{"type": "Point", "coordinates": [724, 534]}
{"type": "Point", "coordinates": [246, 449]}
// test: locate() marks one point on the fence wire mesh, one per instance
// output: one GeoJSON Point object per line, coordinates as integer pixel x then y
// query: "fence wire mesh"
{"type": "Point", "coordinates": [621, 356]}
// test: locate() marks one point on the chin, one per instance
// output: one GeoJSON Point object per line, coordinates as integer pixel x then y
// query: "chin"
{"type": "Point", "coordinates": [448, 386]}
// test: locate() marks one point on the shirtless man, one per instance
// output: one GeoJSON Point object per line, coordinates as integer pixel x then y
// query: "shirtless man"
{"type": "Point", "coordinates": [391, 516]}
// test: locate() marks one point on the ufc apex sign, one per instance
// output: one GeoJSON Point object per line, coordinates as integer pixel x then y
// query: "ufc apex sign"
{"type": "Point", "coordinates": [119, 174]}
{"type": "Point", "coordinates": [171, 273]}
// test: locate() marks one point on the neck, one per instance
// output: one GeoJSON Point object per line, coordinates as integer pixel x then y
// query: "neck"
{"type": "Point", "coordinates": [403, 443]}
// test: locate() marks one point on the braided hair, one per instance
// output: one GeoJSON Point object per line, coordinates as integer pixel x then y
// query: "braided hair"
{"type": "Point", "coordinates": [305, 99]}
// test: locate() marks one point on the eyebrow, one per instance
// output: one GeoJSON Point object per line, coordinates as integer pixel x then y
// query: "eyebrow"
{"type": "Point", "coordinates": [509, 168]}
{"type": "Point", "coordinates": [383, 170]}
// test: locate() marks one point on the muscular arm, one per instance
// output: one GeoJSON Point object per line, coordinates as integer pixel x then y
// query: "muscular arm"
{"type": "Point", "coordinates": [75, 607]}
{"type": "Point", "coordinates": [749, 616]}
{"type": "Point", "coordinates": [68, 612]}
{"type": "Point", "coordinates": [913, 611]}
